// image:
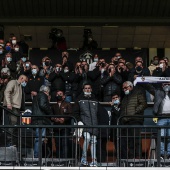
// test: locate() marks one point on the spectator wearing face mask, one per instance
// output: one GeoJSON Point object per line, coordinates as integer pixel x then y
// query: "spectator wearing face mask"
{"type": "Point", "coordinates": [17, 53]}
{"type": "Point", "coordinates": [46, 69]}
{"type": "Point", "coordinates": [8, 63]}
{"type": "Point", "coordinates": [20, 63]}
{"type": "Point", "coordinates": [161, 70]}
{"type": "Point", "coordinates": [92, 66]}
{"type": "Point", "coordinates": [8, 47]}
{"type": "Point", "coordinates": [68, 77]}
{"type": "Point", "coordinates": [115, 114]}
{"type": "Point", "coordinates": [66, 61]}
{"type": "Point", "coordinates": [115, 59]}
{"type": "Point", "coordinates": [25, 68]}
{"type": "Point", "coordinates": [96, 75]}
{"type": "Point", "coordinates": [123, 71]}
{"type": "Point", "coordinates": [133, 104]}
{"type": "Point", "coordinates": [154, 64]}
{"type": "Point", "coordinates": [111, 83]}
{"type": "Point", "coordinates": [57, 81]}
{"type": "Point", "coordinates": [138, 71]}
{"type": "Point", "coordinates": [34, 83]}
{"type": "Point", "coordinates": [161, 108]}
{"type": "Point", "coordinates": [62, 141]}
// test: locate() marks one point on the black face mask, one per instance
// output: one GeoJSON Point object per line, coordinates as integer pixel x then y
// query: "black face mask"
{"type": "Point", "coordinates": [59, 98]}
{"type": "Point", "coordinates": [138, 68]}
{"type": "Point", "coordinates": [47, 63]}
{"type": "Point", "coordinates": [4, 76]}
{"type": "Point", "coordinates": [115, 62]}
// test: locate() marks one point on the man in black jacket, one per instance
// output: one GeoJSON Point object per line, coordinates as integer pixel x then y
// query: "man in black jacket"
{"type": "Point", "coordinates": [41, 107]}
{"type": "Point", "coordinates": [87, 110]}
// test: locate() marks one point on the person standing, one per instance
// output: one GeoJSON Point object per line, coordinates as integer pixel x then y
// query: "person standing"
{"type": "Point", "coordinates": [41, 107]}
{"type": "Point", "coordinates": [133, 104]}
{"type": "Point", "coordinates": [62, 141]}
{"type": "Point", "coordinates": [13, 100]}
{"type": "Point", "coordinates": [86, 110]}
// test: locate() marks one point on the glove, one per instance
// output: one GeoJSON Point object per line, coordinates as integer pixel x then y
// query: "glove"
{"type": "Point", "coordinates": [78, 131]}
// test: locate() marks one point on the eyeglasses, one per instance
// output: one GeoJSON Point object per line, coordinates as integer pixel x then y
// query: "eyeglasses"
{"type": "Point", "coordinates": [125, 87]}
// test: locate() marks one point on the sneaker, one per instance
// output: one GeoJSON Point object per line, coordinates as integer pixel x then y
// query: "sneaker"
{"type": "Point", "coordinates": [84, 161]}
{"type": "Point", "coordinates": [162, 157]}
{"type": "Point", "coordinates": [94, 163]}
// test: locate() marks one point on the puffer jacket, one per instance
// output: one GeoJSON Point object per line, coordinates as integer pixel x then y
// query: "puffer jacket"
{"type": "Point", "coordinates": [86, 110]}
{"type": "Point", "coordinates": [111, 84]}
{"type": "Point", "coordinates": [133, 104]}
{"type": "Point", "coordinates": [41, 107]}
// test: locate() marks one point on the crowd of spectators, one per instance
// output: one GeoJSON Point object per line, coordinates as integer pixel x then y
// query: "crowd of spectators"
{"type": "Point", "coordinates": [106, 78]}
{"type": "Point", "coordinates": [66, 80]}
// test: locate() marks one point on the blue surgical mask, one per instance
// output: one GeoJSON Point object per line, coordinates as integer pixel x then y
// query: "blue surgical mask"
{"type": "Point", "coordinates": [166, 88]}
{"type": "Point", "coordinates": [23, 84]}
{"type": "Point", "coordinates": [9, 59]}
{"type": "Point", "coordinates": [127, 92]}
{"type": "Point", "coordinates": [95, 59]}
{"type": "Point", "coordinates": [116, 101]}
{"type": "Point", "coordinates": [24, 59]}
{"type": "Point", "coordinates": [8, 48]}
{"type": "Point", "coordinates": [34, 71]}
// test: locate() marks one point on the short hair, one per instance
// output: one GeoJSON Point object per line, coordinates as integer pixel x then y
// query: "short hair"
{"type": "Point", "coordinates": [129, 83]}
{"type": "Point", "coordinates": [116, 93]}
{"type": "Point", "coordinates": [44, 88]}
{"type": "Point", "coordinates": [87, 83]}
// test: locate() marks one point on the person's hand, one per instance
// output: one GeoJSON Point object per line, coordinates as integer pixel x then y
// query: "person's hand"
{"type": "Point", "coordinates": [3, 63]}
{"type": "Point", "coordinates": [61, 120]}
{"type": "Point", "coordinates": [33, 93]}
{"type": "Point", "coordinates": [64, 60]}
{"type": "Point", "coordinates": [135, 76]}
{"type": "Point", "coordinates": [112, 72]}
{"type": "Point", "coordinates": [9, 107]}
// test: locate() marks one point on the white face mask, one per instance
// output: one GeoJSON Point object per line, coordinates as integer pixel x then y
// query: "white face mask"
{"type": "Point", "coordinates": [87, 93]}
{"type": "Point", "coordinates": [27, 65]}
{"type": "Point", "coordinates": [1, 51]}
{"type": "Point", "coordinates": [2, 45]}
{"type": "Point", "coordinates": [161, 65]}
{"type": "Point", "coordinates": [166, 88]}
{"type": "Point", "coordinates": [16, 49]}
{"type": "Point", "coordinates": [96, 60]}
{"type": "Point", "coordinates": [9, 59]}
{"type": "Point", "coordinates": [102, 70]}
{"type": "Point", "coordinates": [34, 71]}
{"type": "Point", "coordinates": [14, 42]}
{"type": "Point", "coordinates": [58, 69]}
{"type": "Point", "coordinates": [126, 92]}
{"type": "Point", "coordinates": [65, 70]}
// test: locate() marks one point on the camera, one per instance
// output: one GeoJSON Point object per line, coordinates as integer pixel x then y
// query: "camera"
{"type": "Point", "coordinates": [102, 64]}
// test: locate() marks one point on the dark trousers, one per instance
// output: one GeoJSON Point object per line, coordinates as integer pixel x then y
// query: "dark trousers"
{"type": "Point", "coordinates": [101, 151]}
{"type": "Point", "coordinates": [130, 142]}
{"type": "Point", "coordinates": [62, 143]}
{"type": "Point", "coordinates": [12, 120]}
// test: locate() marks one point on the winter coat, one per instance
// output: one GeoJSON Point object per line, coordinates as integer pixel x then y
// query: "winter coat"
{"type": "Point", "coordinates": [41, 107]}
{"type": "Point", "coordinates": [86, 110]}
{"type": "Point", "coordinates": [133, 104]}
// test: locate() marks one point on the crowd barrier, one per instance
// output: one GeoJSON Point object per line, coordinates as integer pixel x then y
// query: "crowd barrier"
{"type": "Point", "coordinates": [111, 154]}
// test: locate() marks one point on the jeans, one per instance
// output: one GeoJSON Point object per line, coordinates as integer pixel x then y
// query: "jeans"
{"type": "Point", "coordinates": [68, 99]}
{"type": "Point", "coordinates": [164, 133]}
{"type": "Point", "coordinates": [87, 138]}
{"type": "Point", "coordinates": [36, 143]}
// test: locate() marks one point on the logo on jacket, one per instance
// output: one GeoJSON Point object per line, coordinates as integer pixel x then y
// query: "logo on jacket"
{"type": "Point", "coordinates": [87, 56]}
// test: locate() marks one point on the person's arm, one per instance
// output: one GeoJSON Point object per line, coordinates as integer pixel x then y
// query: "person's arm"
{"type": "Point", "coordinates": [7, 93]}
{"type": "Point", "coordinates": [44, 104]}
{"type": "Point", "coordinates": [142, 104]}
